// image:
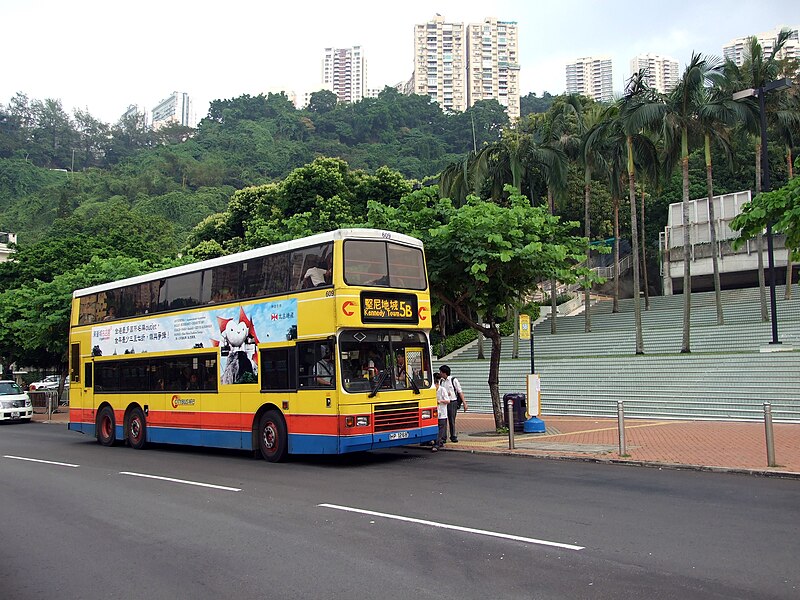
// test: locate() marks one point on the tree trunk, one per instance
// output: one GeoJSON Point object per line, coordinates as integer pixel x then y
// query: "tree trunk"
{"type": "Point", "coordinates": [787, 294]}
{"type": "Point", "coordinates": [481, 355]}
{"type": "Point", "coordinates": [553, 283]}
{"type": "Point", "coordinates": [644, 259]}
{"type": "Point", "coordinates": [515, 346]}
{"type": "Point", "coordinates": [637, 307]}
{"type": "Point", "coordinates": [587, 231]}
{"type": "Point", "coordinates": [442, 330]}
{"type": "Point", "coordinates": [494, 375]}
{"type": "Point", "coordinates": [615, 306]}
{"type": "Point", "coordinates": [687, 274]}
{"type": "Point", "coordinates": [762, 285]}
{"type": "Point", "coordinates": [713, 231]}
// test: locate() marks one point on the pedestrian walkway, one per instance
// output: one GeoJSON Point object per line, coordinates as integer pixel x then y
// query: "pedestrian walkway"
{"type": "Point", "coordinates": [710, 445]}
{"type": "Point", "coordinates": [707, 445]}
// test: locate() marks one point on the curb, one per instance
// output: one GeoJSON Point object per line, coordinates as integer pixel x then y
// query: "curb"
{"type": "Point", "coordinates": [634, 463]}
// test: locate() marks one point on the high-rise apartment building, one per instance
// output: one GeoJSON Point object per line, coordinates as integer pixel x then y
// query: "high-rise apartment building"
{"type": "Point", "coordinates": [136, 113]}
{"type": "Point", "coordinates": [735, 49]}
{"type": "Point", "coordinates": [591, 76]}
{"type": "Point", "coordinates": [439, 63]}
{"type": "Point", "coordinates": [175, 108]}
{"type": "Point", "coordinates": [493, 64]}
{"type": "Point", "coordinates": [661, 72]}
{"type": "Point", "coordinates": [457, 65]}
{"type": "Point", "coordinates": [344, 72]}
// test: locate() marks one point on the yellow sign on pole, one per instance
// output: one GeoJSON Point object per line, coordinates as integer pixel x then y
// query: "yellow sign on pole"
{"type": "Point", "coordinates": [524, 327]}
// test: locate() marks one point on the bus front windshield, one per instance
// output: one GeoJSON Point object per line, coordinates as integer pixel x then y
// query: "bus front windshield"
{"type": "Point", "coordinates": [381, 360]}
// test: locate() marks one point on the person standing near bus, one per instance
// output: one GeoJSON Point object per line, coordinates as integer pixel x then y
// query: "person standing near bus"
{"type": "Point", "coordinates": [455, 392]}
{"type": "Point", "coordinates": [442, 402]}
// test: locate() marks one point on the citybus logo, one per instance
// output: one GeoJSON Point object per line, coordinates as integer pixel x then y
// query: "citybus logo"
{"type": "Point", "coordinates": [178, 401]}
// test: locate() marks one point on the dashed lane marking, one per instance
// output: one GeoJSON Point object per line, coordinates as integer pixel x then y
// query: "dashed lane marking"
{"type": "Point", "coordinates": [183, 481]}
{"type": "Point", "coordinates": [507, 536]}
{"type": "Point", "coordinates": [38, 460]}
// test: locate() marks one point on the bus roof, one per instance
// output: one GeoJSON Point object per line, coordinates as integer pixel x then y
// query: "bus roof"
{"type": "Point", "coordinates": [320, 238]}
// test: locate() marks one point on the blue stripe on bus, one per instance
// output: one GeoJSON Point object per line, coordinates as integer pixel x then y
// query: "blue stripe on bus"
{"type": "Point", "coordinates": [323, 444]}
{"type": "Point", "coordinates": [299, 443]}
{"type": "Point", "coordinates": [212, 438]}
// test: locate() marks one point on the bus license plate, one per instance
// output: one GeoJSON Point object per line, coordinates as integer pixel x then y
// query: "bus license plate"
{"type": "Point", "coordinates": [398, 435]}
{"type": "Point", "coordinates": [15, 415]}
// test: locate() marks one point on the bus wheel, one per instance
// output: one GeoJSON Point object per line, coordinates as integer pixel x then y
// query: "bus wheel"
{"type": "Point", "coordinates": [272, 436]}
{"type": "Point", "coordinates": [136, 431]}
{"type": "Point", "coordinates": [106, 427]}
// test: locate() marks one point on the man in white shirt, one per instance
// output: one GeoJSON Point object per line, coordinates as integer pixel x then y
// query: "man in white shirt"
{"type": "Point", "coordinates": [453, 387]}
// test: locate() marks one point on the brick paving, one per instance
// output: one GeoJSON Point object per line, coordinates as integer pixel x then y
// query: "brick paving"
{"type": "Point", "coordinates": [708, 444]}
{"type": "Point", "coordinates": [724, 445]}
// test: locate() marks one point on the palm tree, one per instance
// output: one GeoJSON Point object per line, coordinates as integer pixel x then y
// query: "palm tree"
{"type": "Point", "coordinates": [559, 131]}
{"type": "Point", "coordinates": [640, 109]}
{"type": "Point", "coordinates": [456, 181]}
{"type": "Point", "coordinates": [680, 121]}
{"type": "Point", "coordinates": [716, 113]}
{"type": "Point", "coordinates": [756, 71]}
{"type": "Point", "coordinates": [593, 164]}
{"type": "Point", "coordinates": [787, 124]}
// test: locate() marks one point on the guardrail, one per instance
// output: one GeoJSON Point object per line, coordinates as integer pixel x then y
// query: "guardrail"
{"type": "Point", "coordinates": [47, 401]}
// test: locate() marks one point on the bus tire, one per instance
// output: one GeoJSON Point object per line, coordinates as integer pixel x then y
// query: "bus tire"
{"type": "Point", "coordinates": [136, 429]}
{"type": "Point", "coordinates": [106, 427]}
{"type": "Point", "coordinates": [272, 440]}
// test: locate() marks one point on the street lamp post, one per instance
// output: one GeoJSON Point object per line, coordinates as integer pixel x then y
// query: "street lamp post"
{"type": "Point", "coordinates": [762, 114]}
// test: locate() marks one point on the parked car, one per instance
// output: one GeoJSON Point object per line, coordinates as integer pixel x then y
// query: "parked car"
{"type": "Point", "coordinates": [48, 383]}
{"type": "Point", "coordinates": [15, 405]}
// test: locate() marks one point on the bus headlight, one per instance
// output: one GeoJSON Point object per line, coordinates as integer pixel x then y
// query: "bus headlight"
{"type": "Point", "coordinates": [426, 414]}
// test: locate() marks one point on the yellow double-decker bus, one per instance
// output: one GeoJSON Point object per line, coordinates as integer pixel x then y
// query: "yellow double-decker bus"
{"type": "Point", "coordinates": [315, 346]}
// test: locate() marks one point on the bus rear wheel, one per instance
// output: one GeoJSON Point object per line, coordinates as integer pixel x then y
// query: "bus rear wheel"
{"type": "Point", "coordinates": [106, 426]}
{"type": "Point", "coordinates": [136, 431]}
{"type": "Point", "coordinates": [272, 436]}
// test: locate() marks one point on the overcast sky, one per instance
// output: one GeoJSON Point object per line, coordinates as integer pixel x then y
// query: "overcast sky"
{"type": "Point", "coordinates": [105, 55]}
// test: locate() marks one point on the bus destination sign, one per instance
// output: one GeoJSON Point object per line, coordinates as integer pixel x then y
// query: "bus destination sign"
{"type": "Point", "coordinates": [385, 307]}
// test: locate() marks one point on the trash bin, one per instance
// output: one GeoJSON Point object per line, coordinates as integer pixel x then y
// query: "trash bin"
{"type": "Point", "coordinates": [519, 410]}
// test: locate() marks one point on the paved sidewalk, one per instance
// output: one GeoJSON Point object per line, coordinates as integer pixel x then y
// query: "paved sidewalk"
{"type": "Point", "coordinates": [709, 445]}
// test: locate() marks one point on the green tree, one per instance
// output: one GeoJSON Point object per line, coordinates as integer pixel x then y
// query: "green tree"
{"type": "Point", "coordinates": [757, 70]}
{"type": "Point", "coordinates": [781, 207]}
{"type": "Point", "coordinates": [680, 122]}
{"type": "Point", "coordinates": [484, 258]}
{"type": "Point", "coordinates": [36, 314]}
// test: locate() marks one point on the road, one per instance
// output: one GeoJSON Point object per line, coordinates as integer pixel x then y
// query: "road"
{"type": "Point", "coordinates": [94, 522]}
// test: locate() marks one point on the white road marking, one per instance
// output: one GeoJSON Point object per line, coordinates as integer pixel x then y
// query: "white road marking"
{"type": "Point", "coordinates": [506, 536]}
{"type": "Point", "coordinates": [47, 462]}
{"type": "Point", "coordinates": [184, 481]}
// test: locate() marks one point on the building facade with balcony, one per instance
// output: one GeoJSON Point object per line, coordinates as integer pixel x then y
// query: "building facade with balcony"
{"type": "Point", "coordinates": [492, 63]}
{"type": "Point", "coordinates": [440, 63]}
{"type": "Point", "coordinates": [736, 49]}
{"type": "Point", "coordinates": [591, 76]}
{"type": "Point", "coordinates": [661, 72]}
{"type": "Point", "coordinates": [344, 72]}
{"type": "Point", "coordinates": [175, 108]}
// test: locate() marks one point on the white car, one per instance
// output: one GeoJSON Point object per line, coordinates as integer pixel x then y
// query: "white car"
{"type": "Point", "coordinates": [15, 405]}
{"type": "Point", "coordinates": [48, 383]}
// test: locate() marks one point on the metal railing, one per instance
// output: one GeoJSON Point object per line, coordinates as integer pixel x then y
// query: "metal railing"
{"type": "Point", "coordinates": [47, 401]}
